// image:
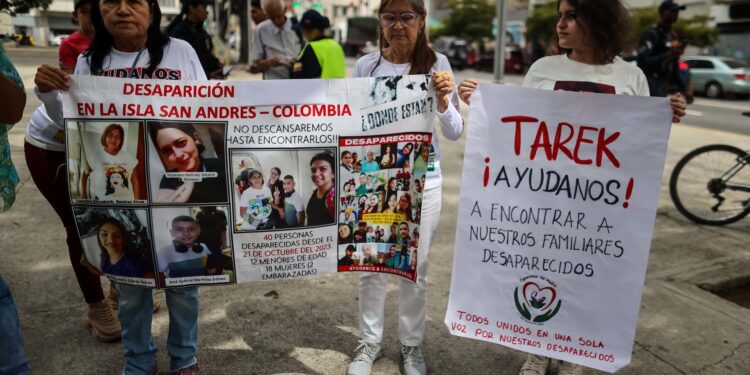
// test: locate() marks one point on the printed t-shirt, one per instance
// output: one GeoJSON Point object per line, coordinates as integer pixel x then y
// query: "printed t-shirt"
{"type": "Point", "coordinates": [258, 204]}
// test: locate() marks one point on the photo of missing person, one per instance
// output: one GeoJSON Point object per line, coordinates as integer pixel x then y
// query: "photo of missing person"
{"type": "Point", "coordinates": [422, 158]}
{"type": "Point", "coordinates": [116, 241]}
{"type": "Point", "coordinates": [280, 189]}
{"type": "Point", "coordinates": [388, 156]}
{"type": "Point", "coordinates": [193, 242]}
{"type": "Point", "coordinates": [106, 161]}
{"type": "Point", "coordinates": [192, 160]}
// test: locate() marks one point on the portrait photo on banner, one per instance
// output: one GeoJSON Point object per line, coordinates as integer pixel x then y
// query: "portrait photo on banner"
{"type": "Point", "coordinates": [106, 162]}
{"type": "Point", "coordinates": [187, 162]}
{"type": "Point", "coordinates": [116, 243]}
{"type": "Point", "coordinates": [282, 189]}
{"type": "Point", "coordinates": [193, 245]}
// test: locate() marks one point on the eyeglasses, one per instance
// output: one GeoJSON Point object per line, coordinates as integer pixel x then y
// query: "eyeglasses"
{"type": "Point", "coordinates": [407, 19]}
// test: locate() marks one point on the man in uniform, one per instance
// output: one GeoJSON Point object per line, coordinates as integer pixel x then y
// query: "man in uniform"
{"type": "Point", "coordinates": [659, 52]}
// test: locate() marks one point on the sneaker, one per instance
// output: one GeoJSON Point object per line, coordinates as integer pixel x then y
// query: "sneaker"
{"type": "Point", "coordinates": [102, 322]}
{"type": "Point", "coordinates": [363, 360]}
{"type": "Point", "coordinates": [114, 300]}
{"type": "Point", "coordinates": [534, 365]}
{"type": "Point", "coordinates": [567, 368]}
{"type": "Point", "coordinates": [192, 370]}
{"type": "Point", "coordinates": [413, 361]}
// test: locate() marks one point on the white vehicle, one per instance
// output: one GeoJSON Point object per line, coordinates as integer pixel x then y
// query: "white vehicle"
{"type": "Point", "coordinates": [57, 40]}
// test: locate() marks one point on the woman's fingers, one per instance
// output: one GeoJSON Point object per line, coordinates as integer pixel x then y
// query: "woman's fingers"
{"type": "Point", "coordinates": [679, 107]}
{"type": "Point", "coordinates": [50, 78]}
{"type": "Point", "coordinates": [466, 88]}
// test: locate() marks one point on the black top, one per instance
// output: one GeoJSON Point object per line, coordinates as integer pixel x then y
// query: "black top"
{"type": "Point", "coordinates": [199, 39]}
{"type": "Point", "coordinates": [211, 189]}
{"type": "Point", "coordinates": [317, 211]}
{"type": "Point", "coordinates": [661, 68]}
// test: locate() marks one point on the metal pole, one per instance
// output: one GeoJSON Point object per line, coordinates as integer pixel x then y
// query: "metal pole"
{"type": "Point", "coordinates": [500, 41]}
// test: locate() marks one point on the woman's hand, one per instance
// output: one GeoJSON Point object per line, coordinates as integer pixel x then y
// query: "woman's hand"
{"type": "Point", "coordinates": [679, 106]}
{"type": "Point", "coordinates": [50, 78]}
{"type": "Point", "coordinates": [444, 86]}
{"type": "Point", "coordinates": [466, 88]}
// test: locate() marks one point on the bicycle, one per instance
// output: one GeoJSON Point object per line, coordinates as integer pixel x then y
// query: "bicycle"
{"type": "Point", "coordinates": [711, 184]}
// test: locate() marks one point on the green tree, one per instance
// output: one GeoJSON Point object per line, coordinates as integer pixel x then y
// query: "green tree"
{"type": "Point", "coordinates": [540, 25]}
{"type": "Point", "coordinates": [469, 19]}
{"type": "Point", "coordinates": [14, 7]}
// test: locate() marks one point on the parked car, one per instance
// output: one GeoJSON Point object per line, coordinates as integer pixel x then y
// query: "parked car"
{"type": "Point", "coordinates": [57, 40]}
{"type": "Point", "coordinates": [715, 76]}
{"type": "Point", "coordinates": [514, 61]}
{"type": "Point", "coordinates": [455, 49]}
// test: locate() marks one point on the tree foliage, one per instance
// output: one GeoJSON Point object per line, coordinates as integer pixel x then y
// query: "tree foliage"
{"type": "Point", "coordinates": [694, 30]}
{"type": "Point", "coordinates": [469, 19]}
{"type": "Point", "coordinates": [540, 25]}
{"type": "Point", "coordinates": [14, 7]}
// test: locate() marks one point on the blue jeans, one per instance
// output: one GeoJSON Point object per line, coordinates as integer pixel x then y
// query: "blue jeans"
{"type": "Point", "coordinates": [135, 317]}
{"type": "Point", "coordinates": [12, 356]}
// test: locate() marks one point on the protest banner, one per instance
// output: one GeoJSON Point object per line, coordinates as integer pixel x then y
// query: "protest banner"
{"type": "Point", "coordinates": [556, 212]}
{"type": "Point", "coordinates": [187, 183]}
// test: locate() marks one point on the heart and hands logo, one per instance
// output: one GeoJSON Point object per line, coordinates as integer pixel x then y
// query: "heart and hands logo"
{"type": "Point", "coordinates": [537, 299]}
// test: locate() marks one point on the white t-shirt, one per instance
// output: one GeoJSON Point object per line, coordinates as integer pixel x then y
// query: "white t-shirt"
{"type": "Point", "coordinates": [271, 41]}
{"type": "Point", "coordinates": [169, 255]}
{"type": "Point", "coordinates": [44, 133]}
{"type": "Point", "coordinates": [104, 164]}
{"type": "Point", "coordinates": [258, 204]}
{"type": "Point", "coordinates": [179, 63]}
{"type": "Point", "coordinates": [561, 73]}
{"type": "Point", "coordinates": [451, 122]}
{"type": "Point", "coordinates": [293, 205]}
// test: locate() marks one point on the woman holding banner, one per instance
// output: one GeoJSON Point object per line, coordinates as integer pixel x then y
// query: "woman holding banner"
{"type": "Point", "coordinates": [128, 41]}
{"type": "Point", "coordinates": [44, 148]}
{"type": "Point", "coordinates": [404, 50]}
{"type": "Point", "coordinates": [591, 34]}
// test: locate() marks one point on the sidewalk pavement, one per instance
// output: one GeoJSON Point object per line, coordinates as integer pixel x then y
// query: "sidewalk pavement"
{"type": "Point", "coordinates": [310, 326]}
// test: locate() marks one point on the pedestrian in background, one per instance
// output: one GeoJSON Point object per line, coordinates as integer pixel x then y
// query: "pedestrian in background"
{"type": "Point", "coordinates": [590, 36]}
{"type": "Point", "coordinates": [659, 52]}
{"type": "Point", "coordinates": [188, 26]}
{"type": "Point", "coordinates": [404, 50]}
{"type": "Point", "coordinates": [321, 57]}
{"type": "Point", "coordinates": [12, 354]}
{"type": "Point", "coordinates": [277, 43]}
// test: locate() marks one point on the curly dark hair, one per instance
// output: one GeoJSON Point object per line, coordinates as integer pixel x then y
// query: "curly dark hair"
{"type": "Point", "coordinates": [606, 24]}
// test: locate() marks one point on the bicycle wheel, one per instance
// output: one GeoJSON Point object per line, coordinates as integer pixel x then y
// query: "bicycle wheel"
{"type": "Point", "coordinates": [704, 183]}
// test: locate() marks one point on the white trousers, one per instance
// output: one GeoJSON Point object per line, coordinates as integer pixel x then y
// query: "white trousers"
{"type": "Point", "coordinates": [412, 297]}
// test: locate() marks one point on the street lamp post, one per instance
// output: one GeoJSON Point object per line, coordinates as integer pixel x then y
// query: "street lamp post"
{"type": "Point", "coordinates": [499, 40]}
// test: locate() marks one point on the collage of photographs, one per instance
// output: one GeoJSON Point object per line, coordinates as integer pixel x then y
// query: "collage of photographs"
{"type": "Point", "coordinates": [151, 200]}
{"type": "Point", "coordinates": [380, 205]}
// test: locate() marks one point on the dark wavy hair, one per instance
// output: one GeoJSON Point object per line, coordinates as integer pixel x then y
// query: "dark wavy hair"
{"type": "Point", "coordinates": [606, 24]}
{"type": "Point", "coordinates": [423, 57]}
{"type": "Point", "coordinates": [103, 40]}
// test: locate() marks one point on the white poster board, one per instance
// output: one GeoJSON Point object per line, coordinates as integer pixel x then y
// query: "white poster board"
{"type": "Point", "coordinates": [179, 183]}
{"type": "Point", "coordinates": [557, 207]}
